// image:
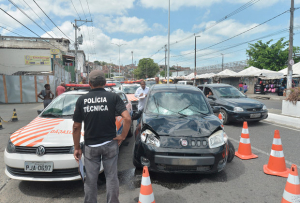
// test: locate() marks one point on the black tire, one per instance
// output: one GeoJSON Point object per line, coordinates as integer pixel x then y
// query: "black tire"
{"type": "Point", "coordinates": [130, 132]}
{"type": "Point", "coordinates": [224, 116]}
{"type": "Point", "coordinates": [231, 152]}
{"type": "Point", "coordinates": [137, 164]}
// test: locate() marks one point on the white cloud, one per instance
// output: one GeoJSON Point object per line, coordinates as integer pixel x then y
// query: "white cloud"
{"type": "Point", "coordinates": [177, 4]}
{"type": "Point", "coordinates": [128, 25]}
{"type": "Point", "coordinates": [158, 28]}
{"type": "Point", "coordinates": [206, 14]}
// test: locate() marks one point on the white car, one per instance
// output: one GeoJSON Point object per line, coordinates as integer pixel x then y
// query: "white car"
{"type": "Point", "coordinates": [43, 149]}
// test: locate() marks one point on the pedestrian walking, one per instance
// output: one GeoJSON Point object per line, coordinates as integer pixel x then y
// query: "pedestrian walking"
{"type": "Point", "coordinates": [245, 88]}
{"type": "Point", "coordinates": [141, 93]}
{"type": "Point", "coordinates": [47, 95]}
{"type": "Point", "coordinates": [97, 109]}
{"type": "Point", "coordinates": [60, 89]}
{"type": "Point", "coordinates": [241, 86]}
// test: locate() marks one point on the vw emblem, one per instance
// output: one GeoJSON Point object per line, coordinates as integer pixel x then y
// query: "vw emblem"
{"type": "Point", "coordinates": [40, 151]}
{"type": "Point", "coordinates": [184, 143]}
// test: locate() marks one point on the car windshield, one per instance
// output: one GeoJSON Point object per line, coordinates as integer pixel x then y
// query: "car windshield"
{"type": "Point", "coordinates": [150, 83]}
{"type": "Point", "coordinates": [118, 84]}
{"type": "Point", "coordinates": [64, 105]}
{"type": "Point", "coordinates": [228, 92]}
{"type": "Point", "coordinates": [177, 103]}
{"type": "Point", "coordinates": [130, 89]}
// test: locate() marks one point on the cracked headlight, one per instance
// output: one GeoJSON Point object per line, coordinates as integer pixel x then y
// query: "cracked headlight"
{"type": "Point", "coordinates": [238, 109]}
{"type": "Point", "coordinates": [217, 139]}
{"type": "Point", "coordinates": [150, 138]}
{"type": "Point", "coordinates": [10, 147]}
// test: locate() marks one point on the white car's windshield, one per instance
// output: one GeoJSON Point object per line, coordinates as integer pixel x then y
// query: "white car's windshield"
{"type": "Point", "coordinates": [64, 105]}
{"type": "Point", "coordinates": [130, 89]}
{"type": "Point", "coordinates": [228, 92]}
{"type": "Point", "coordinates": [177, 103]}
{"type": "Point", "coordinates": [118, 84]}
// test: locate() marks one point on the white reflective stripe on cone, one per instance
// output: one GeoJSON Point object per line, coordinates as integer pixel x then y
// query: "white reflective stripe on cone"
{"type": "Point", "coordinates": [245, 131]}
{"type": "Point", "coordinates": [293, 179]}
{"type": "Point", "coordinates": [146, 198]}
{"type": "Point", "coordinates": [291, 197]}
{"type": "Point", "coordinates": [245, 140]}
{"type": "Point", "coordinates": [277, 153]}
{"type": "Point", "coordinates": [146, 181]}
{"type": "Point", "coordinates": [277, 141]}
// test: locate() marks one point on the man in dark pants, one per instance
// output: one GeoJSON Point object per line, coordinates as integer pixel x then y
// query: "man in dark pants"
{"type": "Point", "coordinates": [97, 109]}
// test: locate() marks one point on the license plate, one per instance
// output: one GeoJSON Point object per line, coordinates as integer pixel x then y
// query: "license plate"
{"type": "Point", "coordinates": [38, 166]}
{"type": "Point", "coordinates": [255, 115]}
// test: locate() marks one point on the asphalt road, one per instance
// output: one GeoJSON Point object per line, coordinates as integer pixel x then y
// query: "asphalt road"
{"type": "Point", "coordinates": [272, 104]}
{"type": "Point", "coordinates": [241, 181]}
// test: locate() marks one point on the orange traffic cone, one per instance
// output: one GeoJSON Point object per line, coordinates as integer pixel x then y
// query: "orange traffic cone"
{"type": "Point", "coordinates": [244, 151]}
{"type": "Point", "coordinates": [146, 193]}
{"type": "Point", "coordinates": [276, 165]}
{"type": "Point", "coordinates": [292, 188]}
{"type": "Point", "coordinates": [221, 119]}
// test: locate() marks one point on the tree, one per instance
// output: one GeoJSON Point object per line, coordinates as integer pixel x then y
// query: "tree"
{"type": "Point", "coordinates": [162, 73]}
{"type": "Point", "coordinates": [106, 75]}
{"type": "Point", "coordinates": [146, 67]}
{"type": "Point", "coordinates": [270, 56]}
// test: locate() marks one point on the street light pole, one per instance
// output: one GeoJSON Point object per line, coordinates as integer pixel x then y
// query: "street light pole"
{"type": "Point", "coordinates": [119, 45]}
{"type": "Point", "coordinates": [195, 60]}
{"type": "Point", "coordinates": [168, 44]}
{"type": "Point", "coordinates": [222, 61]}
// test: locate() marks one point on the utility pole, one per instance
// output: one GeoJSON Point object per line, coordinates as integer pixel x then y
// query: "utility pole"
{"type": "Point", "coordinates": [165, 61]}
{"type": "Point", "coordinates": [76, 40]}
{"type": "Point", "coordinates": [290, 60]}
{"type": "Point", "coordinates": [169, 43]}
{"type": "Point", "coordinates": [222, 61]}
{"type": "Point", "coordinates": [195, 72]}
{"type": "Point", "coordinates": [177, 69]}
{"type": "Point", "coordinates": [132, 63]}
{"type": "Point", "coordinates": [119, 45]}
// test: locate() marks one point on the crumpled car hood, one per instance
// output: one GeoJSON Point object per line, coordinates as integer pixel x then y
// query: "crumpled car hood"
{"type": "Point", "coordinates": [190, 126]}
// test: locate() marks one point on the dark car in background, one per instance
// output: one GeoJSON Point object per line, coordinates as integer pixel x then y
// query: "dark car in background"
{"type": "Point", "coordinates": [235, 106]}
{"type": "Point", "coordinates": [179, 133]}
{"type": "Point", "coordinates": [129, 90]}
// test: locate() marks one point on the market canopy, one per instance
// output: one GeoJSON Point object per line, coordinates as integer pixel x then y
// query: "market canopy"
{"type": "Point", "coordinates": [226, 73]}
{"type": "Point", "coordinates": [206, 75]}
{"type": "Point", "coordinates": [252, 72]}
{"type": "Point", "coordinates": [296, 69]}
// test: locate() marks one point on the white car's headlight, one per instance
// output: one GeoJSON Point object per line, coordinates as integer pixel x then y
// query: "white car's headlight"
{"type": "Point", "coordinates": [238, 109]}
{"type": "Point", "coordinates": [10, 147]}
{"type": "Point", "coordinates": [217, 139]}
{"type": "Point", "coordinates": [150, 138]}
{"type": "Point", "coordinates": [72, 148]}
{"type": "Point", "coordinates": [264, 107]}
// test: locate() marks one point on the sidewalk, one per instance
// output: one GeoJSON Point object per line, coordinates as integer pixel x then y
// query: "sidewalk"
{"type": "Point", "coordinates": [275, 116]}
{"type": "Point", "coordinates": [265, 96]}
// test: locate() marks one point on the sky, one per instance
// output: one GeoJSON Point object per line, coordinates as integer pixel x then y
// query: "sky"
{"type": "Point", "coordinates": [141, 27]}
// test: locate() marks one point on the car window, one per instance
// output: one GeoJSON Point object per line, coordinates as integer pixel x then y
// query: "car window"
{"type": "Point", "coordinates": [201, 88]}
{"type": "Point", "coordinates": [118, 84]}
{"type": "Point", "coordinates": [177, 103]}
{"type": "Point", "coordinates": [123, 97]}
{"type": "Point", "coordinates": [130, 89]}
{"type": "Point", "coordinates": [61, 106]}
{"type": "Point", "coordinates": [208, 91]}
{"type": "Point", "coordinates": [150, 83]}
{"type": "Point", "coordinates": [228, 92]}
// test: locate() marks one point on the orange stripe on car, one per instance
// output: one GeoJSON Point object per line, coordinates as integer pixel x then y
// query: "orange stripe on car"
{"type": "Point", "coordinates": [31, 138]}
{"type": "Point", "coordinates": [35, 142]}
{"type": "Point", "coordinates": [48, 129]}
{"type": "Point", "coordinates": [39, 127]}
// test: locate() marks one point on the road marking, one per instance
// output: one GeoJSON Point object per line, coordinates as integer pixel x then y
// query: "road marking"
{"type": "Point", "coordinates": [281, 126]}
{"type": "Point", "coordinates": [263, 152]}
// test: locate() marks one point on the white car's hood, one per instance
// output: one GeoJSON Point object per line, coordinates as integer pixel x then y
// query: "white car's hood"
{"type": "Point", "coordinates": [49, 132]}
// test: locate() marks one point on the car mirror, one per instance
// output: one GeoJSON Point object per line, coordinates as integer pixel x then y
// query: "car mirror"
{"type": "Point", "coordinates": [211, 97]}
{"type": "Point", "coordinates": [216, 109]}
{"type": "Point", "coordinates": [39, 112]}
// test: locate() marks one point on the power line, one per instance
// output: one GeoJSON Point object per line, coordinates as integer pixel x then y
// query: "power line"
{"type": "Point", "coordinates": [10, 31]}
{"type": "Point", "coordinates": [236, 35]}
{"type": "Point", "coordinates": [29, 17]}
{"type": "Point", "coordinates": [51, 20]}
{"type": "Point", "coordinates": [83, 9]}
{"type": "Point", "coordinates": [38, 16]}
{"type": "Point", "coordinates": [75, 9]}
{"type": "Point", "coordinates": [92, 25]}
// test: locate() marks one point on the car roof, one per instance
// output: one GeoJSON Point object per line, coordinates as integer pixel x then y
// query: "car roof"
{"type": "Point", "coordinates": [174, 87]}
{"type": "Point", "coordinates": [215, 85]}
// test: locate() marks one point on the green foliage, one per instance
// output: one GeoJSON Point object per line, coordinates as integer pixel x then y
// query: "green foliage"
{"type": "Point", "coordinates": [162, 73]}
{"type": "Point", "coordinates": [145, 67]}
{"type": "Point", "coordinates": [106, 75]}
{"type": "Point", "coordinates": [100, 63]}
{"type": "Point", "coordinates": [270, 56]}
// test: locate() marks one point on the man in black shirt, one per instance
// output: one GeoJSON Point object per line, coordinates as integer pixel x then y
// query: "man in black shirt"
{"type": "Point", "coordinates": [97, 109]}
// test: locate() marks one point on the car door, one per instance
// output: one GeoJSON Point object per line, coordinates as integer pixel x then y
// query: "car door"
{"type": "Point", "coordinates": [211, 101]}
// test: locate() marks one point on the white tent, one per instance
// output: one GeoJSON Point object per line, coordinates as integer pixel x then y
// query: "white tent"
{"type": "Point", "coordinates": [296, 69]}
{"type": "Point", "coordinates": [252, 71]}
{"type": "Point", "coordinates": [226, 73]}
{"type": "Point", "coordinates": [189, 77]}
{"type": "Point", "coordinates": [206, 75]}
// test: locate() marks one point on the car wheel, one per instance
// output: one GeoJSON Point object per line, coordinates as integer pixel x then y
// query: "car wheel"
{"type": "Point", "coordinates": [137, 164]}
{"type": "Point", "coordinates": [231, 152]}
{"type": "Point", "coordinates": [130, 132]}
{"type": "Point", "coordinates": [224, 116]}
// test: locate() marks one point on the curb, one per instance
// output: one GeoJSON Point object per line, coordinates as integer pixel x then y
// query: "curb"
{"type": "Point", "coordinates": [283, 120]}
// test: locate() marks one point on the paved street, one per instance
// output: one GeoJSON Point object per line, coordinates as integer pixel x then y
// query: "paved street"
{"type": "Point", "coordinates": [241, 181]}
